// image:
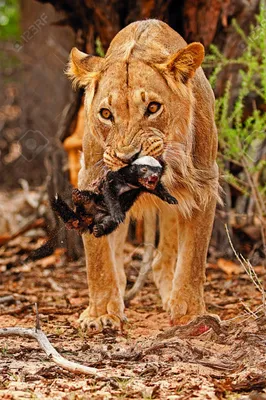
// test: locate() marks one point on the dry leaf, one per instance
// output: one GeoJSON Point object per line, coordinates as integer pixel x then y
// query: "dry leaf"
{"type": "Point", "coordinates": [229, 267]}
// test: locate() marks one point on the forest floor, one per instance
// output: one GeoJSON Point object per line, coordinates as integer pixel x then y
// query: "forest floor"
{"type": "Point", "coordinates": [148, 360]}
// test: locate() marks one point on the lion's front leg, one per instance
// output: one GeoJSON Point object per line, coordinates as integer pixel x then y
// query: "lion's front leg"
{"type": "Point", "coordinates": [164, 265]}
{"type": "Point", "coordinates": [105, 281]}
{"type": "Point", "coordinates": [187, 297]}
{"type": "Point", "coordinates": [117, 242]}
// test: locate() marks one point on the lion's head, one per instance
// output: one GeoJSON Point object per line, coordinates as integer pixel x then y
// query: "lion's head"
{"type": "Point", "coordinates": [139, 97]}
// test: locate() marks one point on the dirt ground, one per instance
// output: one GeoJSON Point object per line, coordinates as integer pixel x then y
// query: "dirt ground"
{"type": "Point", "coordinates": [148, 360]}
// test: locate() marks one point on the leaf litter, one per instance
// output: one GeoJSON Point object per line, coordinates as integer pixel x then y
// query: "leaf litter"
{"type": "Point", "coordinates": [149, 359]}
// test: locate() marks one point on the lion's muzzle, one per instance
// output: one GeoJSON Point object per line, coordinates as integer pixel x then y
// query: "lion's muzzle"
{"type": "Point", "coordinates": [117, 156]}
{"type": "Point", "coordinates": [115, 159]}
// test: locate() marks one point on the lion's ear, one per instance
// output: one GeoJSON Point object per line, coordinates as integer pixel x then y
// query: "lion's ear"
{"type": "Point", "coordinates": [184, 63]}
{"type": "Point", "coordinates": [83, 67]}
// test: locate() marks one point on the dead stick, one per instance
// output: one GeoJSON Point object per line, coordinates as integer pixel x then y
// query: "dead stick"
{"type": "Point", "coordinates": [7, 299]}
{"type": "Point", "coordinates": [49, 350]}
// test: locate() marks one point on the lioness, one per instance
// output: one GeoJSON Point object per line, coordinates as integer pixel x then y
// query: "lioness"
{"type": "Point", "coordinates": [149, 96]}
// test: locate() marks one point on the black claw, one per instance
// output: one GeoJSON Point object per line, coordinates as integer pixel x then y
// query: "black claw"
{"type": "Point", "coordinates": [119, 218]}
{"type": "Point", "coordinates": [98, 231]}
{"type": "Point", "coordinates": [172, 200]}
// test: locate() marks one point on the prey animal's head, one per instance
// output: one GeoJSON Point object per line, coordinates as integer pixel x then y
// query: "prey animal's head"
{"type": "Point", "coordinates": [146, 171]}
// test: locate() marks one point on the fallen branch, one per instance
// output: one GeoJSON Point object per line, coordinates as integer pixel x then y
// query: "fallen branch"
{"type": "Point", "coordinates": [37, 334]}
{"type": "Point", "coordinates": [50, 351]}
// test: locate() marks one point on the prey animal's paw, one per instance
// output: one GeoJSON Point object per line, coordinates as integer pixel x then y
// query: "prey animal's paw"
{"type": "Point", "coordinates": [86, 221]}
{"type": "Point", "coordinates": [74, 224]}
{"type": "Point", "coordinates": [118, 217]}
{"type": "Point", "coordinates": [171, 200]}
{"type": "Point", "coordinates": [106, 226]}
{"type": "Point", "coordinates": [82, 197]}
{"type": "Point", "coordinates": [76, 196]}
{"type": "Point", "coordinates": [98, 230]}
{"type": "Point", "coordinates": [106, 322]}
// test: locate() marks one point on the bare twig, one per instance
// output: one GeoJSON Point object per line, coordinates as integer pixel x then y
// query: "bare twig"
{"type": "Point", "coordinates": [249, 310]}
{"type": "Point", "coordinates": [249, 270]}
{"type": "Point", "coordinates": [50, 351]}
{"type": "Point", "coordinates": [37, 334]}
{"type": "Point", "coordinates": [7, 299]}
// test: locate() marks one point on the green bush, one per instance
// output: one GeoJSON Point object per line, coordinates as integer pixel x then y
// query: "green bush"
{"type": "Point", "coordinates": [242, 137]}
{"type": "Point", "coordinates": [9, 19]}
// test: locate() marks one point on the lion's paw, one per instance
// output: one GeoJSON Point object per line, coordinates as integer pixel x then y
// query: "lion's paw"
{"type": "Point", "coordinates": [185, 308]}
{"type": "Point", "coordinates": [109, 322]}
{"type": "Point", "coordinates": [186, 319]}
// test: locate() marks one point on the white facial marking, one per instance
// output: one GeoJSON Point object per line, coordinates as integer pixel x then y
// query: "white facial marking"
{"type": "Point", "coordinates": [147, 160]}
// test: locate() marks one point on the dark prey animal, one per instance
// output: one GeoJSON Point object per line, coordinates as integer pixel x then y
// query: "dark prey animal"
{"type": "Point", "coordinates": [101, 213]}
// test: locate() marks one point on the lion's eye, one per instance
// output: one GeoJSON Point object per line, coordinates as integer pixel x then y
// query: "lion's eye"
{"type": "Point", "coordinates": [153, 107]}
{"type": "Point", "coordinates": [106, 114]}
{"type": "Point", "coordinates": [144, 169]}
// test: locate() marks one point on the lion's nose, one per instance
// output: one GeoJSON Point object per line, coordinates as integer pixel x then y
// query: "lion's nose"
{"type": "Point", "coordinates": [128, 157]}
